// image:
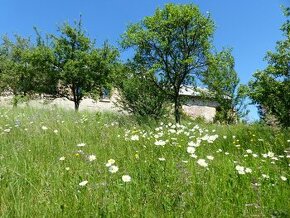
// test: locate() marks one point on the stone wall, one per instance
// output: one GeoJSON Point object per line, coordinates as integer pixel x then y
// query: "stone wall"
{"type": "Point", "coordinates": [197, 107]}
{"type": "Point", "coordinates": [193, 106]}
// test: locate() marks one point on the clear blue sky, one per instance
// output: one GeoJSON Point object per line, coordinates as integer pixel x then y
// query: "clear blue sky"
{"type": "Point", "coordinates": [250, 27]}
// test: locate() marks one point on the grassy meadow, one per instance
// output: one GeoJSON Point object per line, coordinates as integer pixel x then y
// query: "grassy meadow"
{"type": "Point", "coordinates": [57, 163]}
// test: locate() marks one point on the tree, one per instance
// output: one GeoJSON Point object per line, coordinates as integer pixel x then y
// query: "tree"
{"type": "Point", "coordinates": [41, 61]}
{"type": "Point", "coordinates": [27, 68]}
{"type": "Point", "coordinates": [15, 71]}
{"type": "Point", "coordinates": [3, 62]}
{"type": "Point", "coordinates": [270, 88]}
{"type": "Point", "coordinates": [222, 82]}
{"type": "Point", "coordinates": [138, 94]}
{"type": "Point", "coordinates": [172, 45]}
{"type": "Point", "coordinates": [81, 67]}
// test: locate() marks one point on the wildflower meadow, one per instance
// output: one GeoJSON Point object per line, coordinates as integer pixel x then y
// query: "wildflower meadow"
{"type": "Point", "coordinates": [58, 163]}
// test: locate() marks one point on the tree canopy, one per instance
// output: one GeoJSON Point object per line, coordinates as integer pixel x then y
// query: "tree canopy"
{"type": "Point", "coordinates": [15, 72]}
{"type": "Point", "coordinates": [67, 65]}
{"type": "Point", "coordinates": [270, 88]}
{"type": "Point", "coordinates": [172, 48]}
{"type": "Point", "coordinates": [81, 67]}
{"type": "Point", "coordinates": [172, 45]}
{"type": "Point", "coordinates": [222, 81]}
{"type": "Point", "coordinates": [138, 94]}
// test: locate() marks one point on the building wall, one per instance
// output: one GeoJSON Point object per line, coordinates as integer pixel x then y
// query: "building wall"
{"type": "Point", "coordinates": [87, 104]}
{"type": "Point", "coordinates": [193, 106]}
{"type": "Point", "coordinates": [196, 107]}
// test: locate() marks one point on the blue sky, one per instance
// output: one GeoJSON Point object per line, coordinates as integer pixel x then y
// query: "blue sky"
{"type": "Point", "coordinates": [250, 27]}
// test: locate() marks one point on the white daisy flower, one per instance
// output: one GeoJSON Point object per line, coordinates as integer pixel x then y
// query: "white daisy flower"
{"type": "Point", "coordinates": [270, 154]}
{"type": "Point", "coordinates": [44, 128]}
{"type": "Point", "coordinates": [202, 162]}
{"type": "Point", "coordinates": [81, 144]}
{"type": "Point", "coordinates": [92, 157]}
{"type": "Point", "coordinates": [110, 162]}
{"type": "Point", "coordinates": [172, 130]}
{"type": "Point", "coordinates": [134, 137]}
{"type": "Point", "coordinates": [193, 156]}
{"type": "Point", "coordinates": [160, 143]}
{"type": "Point", "coordinates": [240, 169]}
{"type": "Point", "coordinates": [194, 144]}
{"type": "Point", "coordinates": [210, 157]}
{"type": "Point", "coordinates": [249, 151]}
{"type": "Point", "coordinates": [190, 150]}
{"type": "Point", "coordinates": [126, 178]}
{"type": "Point", "coordinates": [7, 130]}
{"type": "Point", "coordinates": [265, 176]}
{"type": "Point", "coordinates": [113, 169]}
{"type": "Point", "coordinates": [83, 183]}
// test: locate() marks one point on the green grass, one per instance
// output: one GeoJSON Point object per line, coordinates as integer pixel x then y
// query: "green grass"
{"type": "Point", "coordinates": [34, 182]}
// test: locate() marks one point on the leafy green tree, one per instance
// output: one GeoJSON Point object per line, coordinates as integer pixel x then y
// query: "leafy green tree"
{"type": "Point", "coordinates": [270, 88]}
{"type": "Point", "coordinates": [3, 62]}
{"type": "Point", "coordinates": [172, 45]}
{"type": "Point", "coordinates": [42, 63]}
{"type": "Point", "coordinates": [139, 95]}
{"type": "Point", "coordinates": [104, 64]}
{"type": "Point", "coordinates": [222, 82]}
{"type": "Point", "coordinates": [81, 67]}
{"type": "Point", "coordinates": [15, 70]}
{"type": "Point", "coordinates": [27, 68]}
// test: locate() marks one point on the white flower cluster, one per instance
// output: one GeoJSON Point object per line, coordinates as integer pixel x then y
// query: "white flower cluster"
{"type": "Point", "coordinates": [126, 178]}
{"type": "Point", "coordinates": [209, 138]}
{"type": "Point", "coordinates": [202, 162]}
{"type": "Point", "coordinates": [92, 157]}
{"type": "Point", "coordinates": [112, 168]}
{"type": "Point", "coordinates": [243, 170]}
{"type": "Point", "coordinates": [160, 143]}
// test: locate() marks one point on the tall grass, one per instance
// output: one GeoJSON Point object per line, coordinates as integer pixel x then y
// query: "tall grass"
{"type": "Point", "coordinates": [42, 167]}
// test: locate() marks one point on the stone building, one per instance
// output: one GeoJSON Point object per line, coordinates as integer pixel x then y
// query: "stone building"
{"type": "Point", "coordinates": [197, 103]}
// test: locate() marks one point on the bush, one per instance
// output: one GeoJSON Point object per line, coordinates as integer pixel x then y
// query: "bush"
{"type": "Point", "coordinates": [140, 96]}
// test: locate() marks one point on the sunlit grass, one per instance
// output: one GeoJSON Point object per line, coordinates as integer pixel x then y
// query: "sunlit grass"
{"type": "Point", "coordinates": [59, 163]}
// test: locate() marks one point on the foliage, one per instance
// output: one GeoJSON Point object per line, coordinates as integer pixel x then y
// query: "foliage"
{"type": "Point", "coordinates": [42, 62]}
{"type": "Point", "coordinates": [15, 72]}
{"type": "Point", "coordinates": [26, 68]}
{"type": "Point", "coordinates": [171, 45]}
{"type": "Point", "coordinates": [222, 82]}
{"type": "Point", "coordinates": [81, 67]}
{"type": "Point", "coordinates": [266, 117]}
{"type": "Point", "coordinates": [139, 95]}
{"type": "Point", "coordinates": [270, 88]}
{"type": "Point", "coordinates": [69, 65]}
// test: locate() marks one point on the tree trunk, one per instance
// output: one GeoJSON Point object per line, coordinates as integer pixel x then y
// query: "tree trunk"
{"type": "Point", "coordinates": [177, 109]}
{"type": "Point", "coordinates": [15, 99]}
{"type": "Point", "coordinates": [77, 105]}
{"type": "Point", "coordinates": [76, 98]}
